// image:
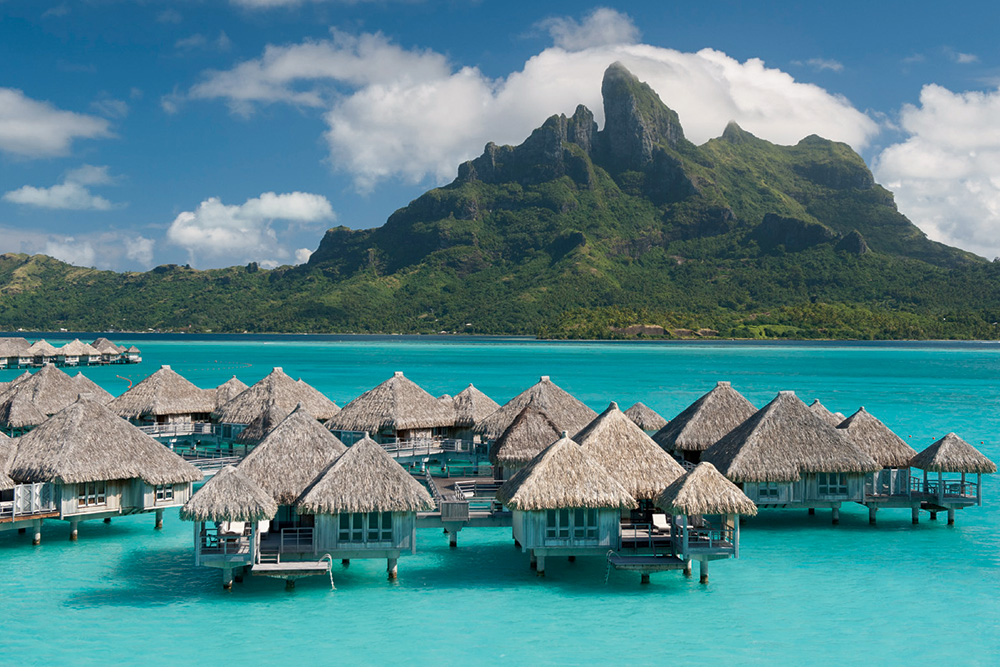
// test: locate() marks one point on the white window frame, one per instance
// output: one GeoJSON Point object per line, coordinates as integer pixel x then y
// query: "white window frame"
{"type": "Point", "coordinates": [577, 524]}
{"type": "Point", "coordinates": [768, 491]}
{"type": "Point", "coordinates": [831, 483]}
{"type": "Point", "coordinates": [365, 528]}
{"type": "Point", "coordinates": [163, 493]}
{"type": "Point", "coordinates": [92, 494]}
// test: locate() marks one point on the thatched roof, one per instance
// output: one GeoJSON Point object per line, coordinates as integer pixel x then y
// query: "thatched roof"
{"type": "Point", "coordinates": [49, 389]}
{"type": "Point", "coordinates": [563, 409]}
{"type": "Point", "coordinates": [85, 385]}
{"type": "Point", "coordinates": [17, 410]}
{"type": "Point", "coordinates": [291, 456]}
{"type": "Point", "coordinates": [782, 440]}
{"type": "Point", "coordinates": [258, 429]}
{"type": "Point", "coordinates": [105, 346]}
{"type": "Point", "coordinates": [704, 490]}
{"type": "Point", "coordinates": [398, 404]}
{"type": "Point", "coordinates": [701, 424]}
{"type": "Point", "coordinates": [230, 496]}
{"type": "Point", "coordinates": [132, 349]}
{"type": "Point", "coordinates": [277, 386]}
{"type": "Point", "coordinates": [164, 392]}
{"type": "Point", "coordinates": [8, 448]}
{"type": "Point", "coordinates": [86, 442]}
{"type": "Point", "coordinates": [4, 386]}
{"type": "Point", "coordinates": [77, 348]}
{"type": "Point", "coordinates": [13, 347]}
{"type": "Point", "coordinates": [228, 390]}
{"type": "Point", "coordinates": [822, 411]}
{"type": "Point", "coordinates": [952, 454]}
{"type": "Point", "coordinates": [563, 475]}
{"type": "Point", "coordinates": [365, 479]}
{"type": "Point", "coordinates": [42, 348]}
{"type": "Point", "coordinates": [631, 456]}
{"type": "Point", "coordinates": [645, 417]}
{"type": "Point", "coordinates": [472, 407]}
{"type": "Point", "coordinates": [529, 433]}
{"type": "Point", "coordinates": [874, 437]}
{"type": "Point", "coordinates": [315, 403]}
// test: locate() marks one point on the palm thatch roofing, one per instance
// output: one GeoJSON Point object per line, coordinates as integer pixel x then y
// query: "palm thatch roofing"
{"type": "Point", "coordinates": [952, 454]}
{"type": "Point", "coordinates": [277, 386]}
{"type": "Point", "coordinates": [85, 385]}
{"type": "Point", "coordinates": [701, 424]}
{"type": "Point", "coordinates": [165, 392]}
{"type": "Point", "coordinates": [17, 410]}
{"type": "Point", "coordinates": [783, 440]}
{"type": "Point", "coordinates": [562, 408]}
{"type": "Point", "coordinates": [86, 442]}
{"type": "Point", "coordinates": [563, 475]}
{"type": "Point", "coordinates": [228, 390]}
{"type": "Point", "coordinates": [133, 350]}
{"type": "Point", "coordinates": [645, 417]}
{"type": "Point", "coordinates": [823, 412]}
{"type": "Point", "coordinates": [49, 389]}
{"type": "Point", "coordinates": [315, 403]}
{"type": "Point", "coordinates": [4, 386]}
{"type": "Point", "coordinates": [472, 407]}
{"type": "Point", "coordinates": [704, 490]}
{"type": "Point", "coordinates": [77, 348]}
{"type": "Point", "coordinates": [365, 479]}
{"type": "Point", "coordinates": [13, 346]}
{"type": "Point", "coordinates": [529, 433]}
{"type": "Point", "coordinates": [398, 404]}
{"type": "Point", "coordinates": [230, 496]}
{"type": "Point", "coordinates": [874, 437]}
{"type": "Point", "coordinates": [42, 348]}
{"type": "Point", "coordinates": [291, 456]}
{"type": "Point", "coordinates": [631, 456]}
{"type": "Point", "coordinates": [8, 447]}
{"type": "Point", "coordinates": [105, 346]}
{"type": "Point", "coordinates": [258, 429]}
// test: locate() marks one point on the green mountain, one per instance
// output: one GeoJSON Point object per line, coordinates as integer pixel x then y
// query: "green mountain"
{"type": "Point", "coordinates": [581, 232]}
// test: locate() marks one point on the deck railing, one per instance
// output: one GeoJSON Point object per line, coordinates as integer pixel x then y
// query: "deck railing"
{"type": "Point", "coordinates": [29, 500]}
{"type": "Point", "coordinates": [215, 542]}
{"type": "Point", "coordinates": [481, 495]}
{"type": "Point", "coordinates": [945, 488]}
{"type": "Point", "coordinates": [178, 429]}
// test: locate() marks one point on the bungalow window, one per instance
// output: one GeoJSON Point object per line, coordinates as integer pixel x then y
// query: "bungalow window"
{"type": "Point", "coordinates": [579, 522]}
{"type": "Point", "coordinates": [164, 493]}
{"type": "Point", "coordinates": [365, 528]}
{"type": "Point", "coordinates": [832, 483]}
{"type": "Point", "coordinates": [766, 490]}
{"type": "Point", "coordinates": [92, 494]}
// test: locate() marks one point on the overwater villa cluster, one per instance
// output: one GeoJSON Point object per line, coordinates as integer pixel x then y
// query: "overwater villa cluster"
{"type": "Point", "coordinates": [19, 353]}
{"type": "Point", "coordinates": [297, 483]}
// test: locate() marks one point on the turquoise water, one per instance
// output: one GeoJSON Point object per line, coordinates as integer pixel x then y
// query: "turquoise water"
{"type": "Point", "coordinates": [802, 590]}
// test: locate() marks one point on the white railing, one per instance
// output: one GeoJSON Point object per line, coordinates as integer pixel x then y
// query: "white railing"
{"type": "Point", "coordinates": [214, 542]}
{"type": "Point", "coordinates": [426, 446]}
{"type": "Point", "coordinates": [29, 500]}
{"type": "Point", "coordinates": [178, 428]}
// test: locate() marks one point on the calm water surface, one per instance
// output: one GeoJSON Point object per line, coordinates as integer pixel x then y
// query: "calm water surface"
{"type": "Point", "coordinates": [802, 590]}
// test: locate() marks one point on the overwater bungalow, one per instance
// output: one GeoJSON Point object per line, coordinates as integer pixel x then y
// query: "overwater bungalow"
{"type": "Point", "coordinates": [705, 508]}
{"type": "Point", "coordinates": [890, 486]}
{"type": "Point", "coordinates": [228, 390]}
{"type": "Point", "coordinates": [564, 503]}
{"type": "Point", "coordinates": [110, 353]}
{"type": "Point", "coordinates": [230, 512]}
{"type": "Point", "coordinates": [701, 424]}
{"type": "Point", "coordinates": [945, 485]}
{"type": "Point", "coordinates": [567, 412]}
{"type": "Point", "coordinates": [258, 429]}
{"type": "Point", "coordinates": [132, 355]}
{"type": "Point", "coordinates": [531, 431]}
{"type": "Point", "coordinates": [236, 414]}
{"type": "Point", "coordinates": [166, 403]}
{"type": "Point", "coordinates": [646, 418]}
{"type": "Point", "coordinates": [22, 505]}
{"type": "Point", "coordinates": [101, 466]}
{"type": "Point", "coordinates": [785, 455]}
{"type": "Point", "coordinates": [831, 418]}
{"type": "Point", "coordinates": [631, 457]}
{"type": "Point", "coordinates": [471, 408]}
{"type": "Point", "coordinates": [41, 352]}
{"type": "Point", "coordinates": [18, 413]}
{"type": "Point", "coordinates": [76, 353]}
{"type": "Point", "coordinates": [396, 410]}
{"type": "Point", "coordinates": [365, 506]}
{"type": "Point", "coordinates": [14, 352]}
{"type": "Point", "coordinates": [49, 390]}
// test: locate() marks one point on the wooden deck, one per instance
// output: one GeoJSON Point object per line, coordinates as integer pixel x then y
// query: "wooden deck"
{"type": "Point", "coordinates": [645, 562]}
{"type": "Point", "coordinates": [291, 569]}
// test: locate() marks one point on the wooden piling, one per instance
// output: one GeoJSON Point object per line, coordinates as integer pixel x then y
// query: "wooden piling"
{"type": "Point", "coordinates": [159, 520]}
{"type": "Point", "coordinates": [73, 531]}
{"type": "Point", "coordinates": [687, 568]}
{"type": "Point", "coordinates": [453, 538]}
{"type": "Point", "coordinates": [390, 568]}
{"type": "Point", "coordinates": [872, 509]}
{"type": "Point", "coordinates": [533, 562]}
{"type": "Point", "coordinates": [107, 519]}
{"type": "Point", "coordinates": [36, 530]}
{"type": "Point", "coordinates": [916, 515]}
{"type": "Point", "coordinates": [227, 578]}
{"type": "Point", "coordinates": [289, 584]}
{"type": "Point", "coordinates": [644, 578]}
{"type": "Point", "coordinates": [836, 515]}
{"type": "Point", "coordinates": [345, 562]}
{"type": "Point", "coordinates": [703, 570]}
{"type": "Point", "coordinates": [812, 511]}
{"type": "Point", "coordinates": [951, 516]}
{"type": "Point", "coordinates": [540, 565]}
{"type": "Point", "coordinates": [22, 531]}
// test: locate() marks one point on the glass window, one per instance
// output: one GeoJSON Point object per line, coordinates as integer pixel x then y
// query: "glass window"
{"type": "Point", "coordinates": [831, 483]}
{"type": "Point", "coordinates": [164, 493]}
{"type": "Point", "coordinates": [564, 523]}
{"type": "Point", "coordinates": [92, 494]}
{"type": "Point", "coordinates": [767, 490]}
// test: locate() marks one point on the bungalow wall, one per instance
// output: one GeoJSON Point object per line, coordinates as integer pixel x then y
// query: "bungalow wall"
{"type": "Point", "coordinates": [810, 488]}
{"type": "Point", "coordinates": [550, 529]}
{"type": "Point", "coordinates": [355, 532]}
{"type": "Point", "coordinates": [119, 497]}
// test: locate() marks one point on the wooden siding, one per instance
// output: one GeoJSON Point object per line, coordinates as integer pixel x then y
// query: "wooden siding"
{"type": "Point", "coordinates": [326, 530]}
{"type": "Point", "coordinates": [529, 530]}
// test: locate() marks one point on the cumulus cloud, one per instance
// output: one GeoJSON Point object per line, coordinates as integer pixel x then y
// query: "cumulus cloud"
{"type": "Point", "coordinates": [302, 255]}
{"type": "Point", "coordinates": [31, 128]}
{"type": "Point", "coordinates": [601, 27]}
{"type": "Point", "coordinates": [72, 194]}
{"type": "Point", "coordinates": [821, 64]}
{"type": "Point", "coordinates": [411, 114]}
{"type": "Point", "coordinates": [72, 251]}
{"type": "Point", "coordinates": [104, 250]}
{"type": "Point", "coordinates": [245, 232]}
{"type": "Point", "coordinates": [946, 173]}
{"type": "Point", "coordinates": [140, 249]}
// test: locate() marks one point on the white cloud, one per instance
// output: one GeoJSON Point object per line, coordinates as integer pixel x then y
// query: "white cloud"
{"type": "Point", "coordinates": [110, 108]}
{"type": "Point", "coordinates": [31, 128]}
{"type": "Point", "coordinates": [302, 255]}
{"type": "Point", "coordinates": [824, 64]}
{"type": "Point", "coordinates": [946, 174]}
{"type": "Point", "coordinates": [245, 232]}
{"type": "Point", "coordinates": [965, 58]}
{"type": "Point", "coordinates": [601, 27]}
{"type": "Point", "coordinates": [140, 249]}
{"type": "Point", "coordinates": [72, 194]}
{"type": "Point", "coordinates": [169, 16]}
{"type": "Point", "coordinates": [71, 251]}
{"type": "Point", "coordinates": [198, 41]}
{"type": "Point", "coordinates": [104, 249]}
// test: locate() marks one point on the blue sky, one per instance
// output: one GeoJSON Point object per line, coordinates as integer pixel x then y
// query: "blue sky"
{"type": "Point", "coordinates": [143, 132]}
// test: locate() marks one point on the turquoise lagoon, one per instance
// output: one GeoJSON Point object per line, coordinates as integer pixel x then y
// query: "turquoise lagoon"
{"type": "Point", "coordinates": [802, 590]}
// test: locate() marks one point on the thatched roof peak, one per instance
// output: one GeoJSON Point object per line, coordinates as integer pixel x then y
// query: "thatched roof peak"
{"type": "Point", "coordinates": [291, 456]}
{"type": "Point", "coordinates": [230, 496]}
{"type": "Point", "coordinates": [18, 410]}
{"type": "Point", "coordinates": [258, 429]}
{"type": "Point", "coordinates": [85, 385]}
{"type": "Point", "coordinates": [165, 392]}
{"type": "Point", "coordinates": [365, 479]}
{"type": "Point", "coordinates": [561, 476]}
{"type": "Point", "coordinates": [105, 346]}
{"type": "Point", "coordinates": [398, 404]}
{"type": "Point", "coordinates": [561, 407]}
{"type": "Point", "coordinates": [953, 454]}
{"type": "Point", "coordinates": [315, 403]}
{"type": "Point", "coordinates": [13, 346]}
{"type": "Point", "coordinates": [783, 440]}
{"type": "Point", "coordinates": [701, 424]}
{"type": "Point", "coordinates": [645, 417]}
{"type": "Point", "coordinates": [76, 348]}
{"type": "Point", "coordinates": [878, 440]}
{"type": "Point", "coordinates": [472, 407]}
{"type": "Point", "coordinates": [824, 413]}
{"type": "Point", "coordinates": [86, 442]}
{"type": "Point", "coordinates": [228, 390]}
{"type": "Point", "coordinates": [628, 454]}
{"type": "Point", "coordinates": [49, 389]}
{"type": "Point", "coordinates": [530, 432]}
{"type": "Point", "coordinates": [277, 385]}
{"type": "Point", "coordinates": [704, 490]}
{"type": "Point", "coordinates": [42, 348]}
